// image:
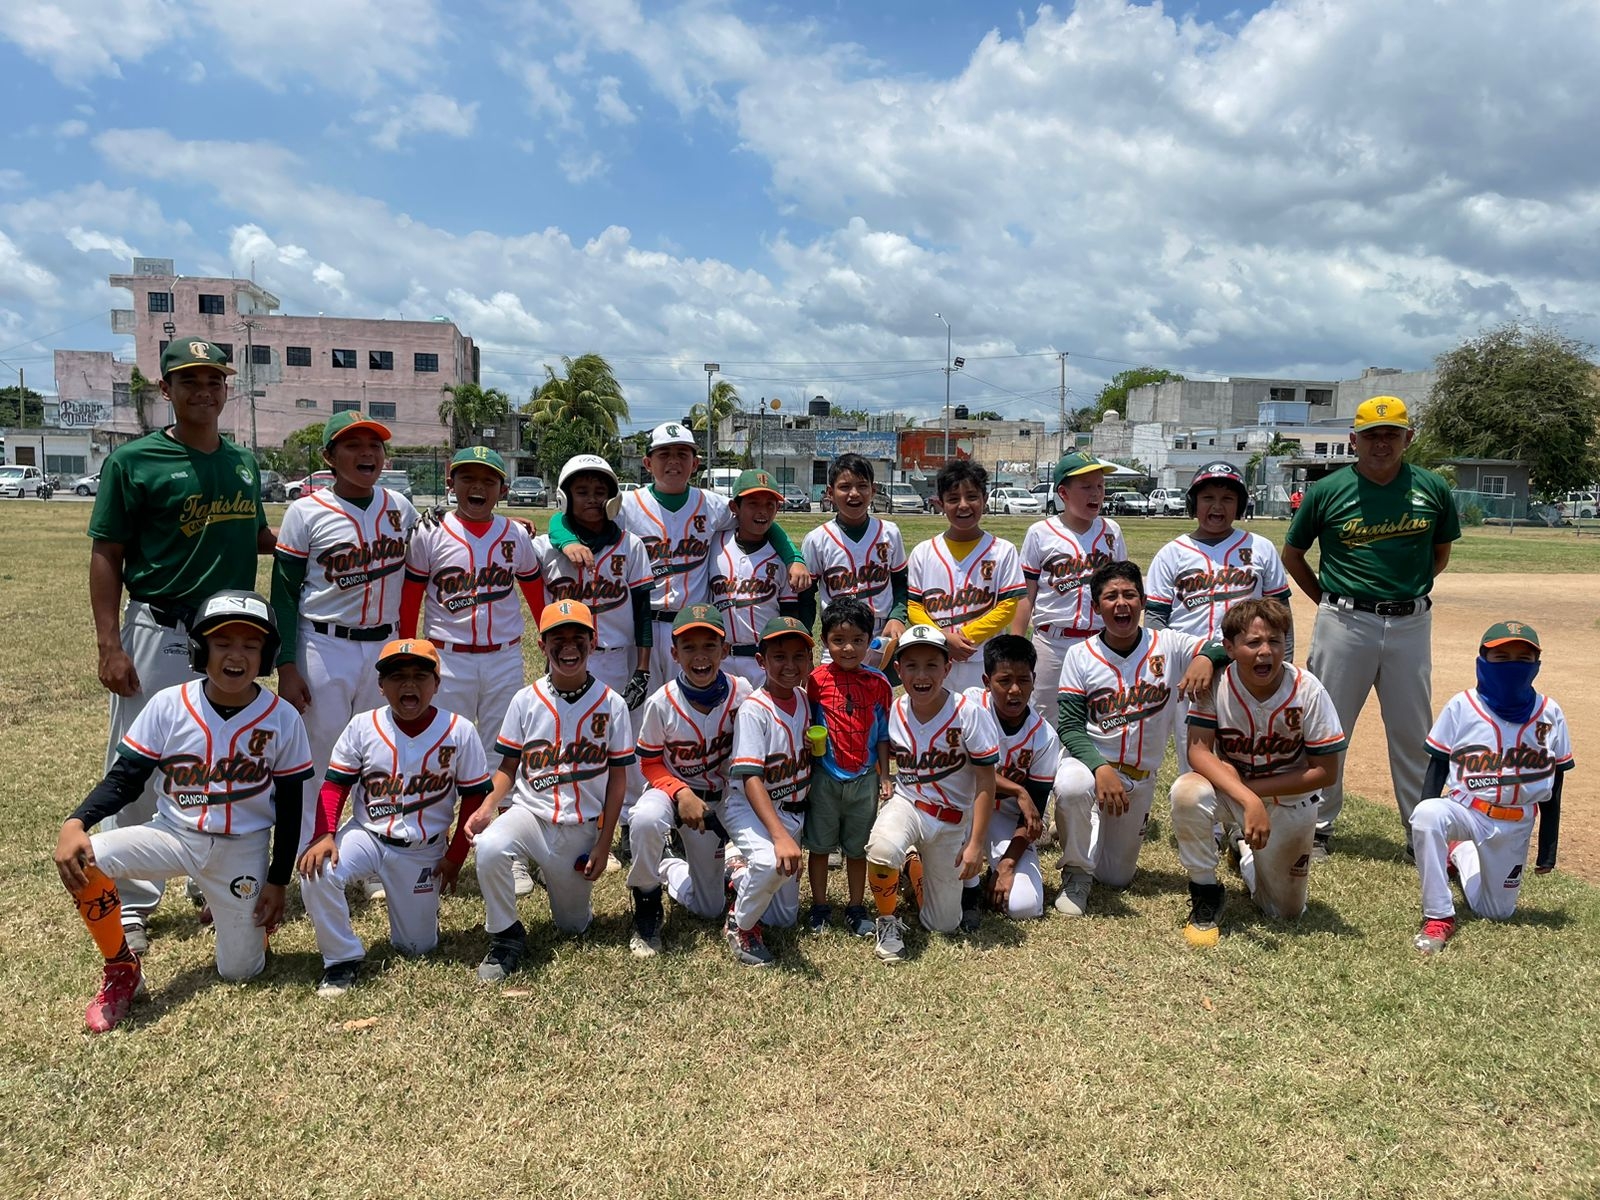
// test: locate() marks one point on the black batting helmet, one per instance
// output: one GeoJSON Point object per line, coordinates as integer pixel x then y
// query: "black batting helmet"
{"type": "Point", "coordinates": [1219, 472]}
{"type": "Point", "coordinates": [228, 608]}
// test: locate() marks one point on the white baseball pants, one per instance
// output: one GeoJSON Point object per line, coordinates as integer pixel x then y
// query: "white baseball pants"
{"type": "Point", "coordinates": [1052, 651]}
{"type": "Point", "coordinates": [695, 881]}
{"type": "Point", "coordinates": [1490, 860]}
{"type": "Point", "coordinates": [1027, 883]}
{"type": "Point", "coordinates": [744, 668]}
{"type": "Point", "coordinates": [1279, 874]}
{"type": "Point", "coordinates": [518, 833]}
{"type": "Point", "coordinates": [231, 870]}
{"type": "Point", "coordinates": [407, 877]}
{"type": "Point", "coordinates": [1090, 840]}
{"type": "Point", "coordinates": [342, 677]}
{"type": "Point", "coordinates": [616, 666]}
{"type": "Point", "coordinates": [765, 894]}
{"type": "Point", "coordinates": [479, 687]}
{"type": "Point", "coordinates": [965, 674]}
{"type": "Point", "coordinates": [901, 827]}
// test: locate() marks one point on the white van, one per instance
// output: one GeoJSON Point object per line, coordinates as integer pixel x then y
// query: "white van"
{"type": "Point", "coordinates": [721, 480]}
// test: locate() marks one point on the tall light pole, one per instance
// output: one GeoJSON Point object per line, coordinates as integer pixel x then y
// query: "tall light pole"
{"type": "Point", "coordinates": [946, 386]}
{"type": "Point", "coordinates": [711, 424]}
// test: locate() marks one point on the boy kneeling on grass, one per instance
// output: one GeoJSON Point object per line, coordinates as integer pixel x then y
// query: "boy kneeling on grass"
{"type": "Point", "coordinates": [1262, 744]}
{"type": "Point", "coordinates": [1504, 750]}
{"type": "Point", "coordinates": [233, 759]}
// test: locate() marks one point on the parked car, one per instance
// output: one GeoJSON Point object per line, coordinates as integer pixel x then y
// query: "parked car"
{"type": "Point", "coordinates": [528, 489]}
{"type": "Point", "coordinates": [1127, 504]}
{"type": "Point", "coordinates": [21, 482]}
{"type": "Point", "coordinates": [88, 485]}
{"type": "Point", "coordinates": [896, 498]}
{"type": "Point", "coordinates": [794, 500]}
{"type": "Point", "coordinates": [1008, 500]}
{"type": "Point", "coordinates": [1169, 502]}
{"type": "Point", "coordinates": [624, 488]}
{"type": "Point", "coordinates": [396, 481]}
{"type": "Point", "coordinates": [273, 490]}
{"type": "Point", "coordinates": [313, 482]}
{"type": "Point", "coordinates": [1048, 501]}
{"type": "Point", "coordinates": [1580, 506]}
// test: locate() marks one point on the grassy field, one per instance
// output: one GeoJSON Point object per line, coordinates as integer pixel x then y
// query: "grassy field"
{"type": "Point", "coordinates": [1093, 1058]}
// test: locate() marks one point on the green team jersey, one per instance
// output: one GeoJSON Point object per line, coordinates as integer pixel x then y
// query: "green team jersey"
{"type": "Point", "coordinates": [1376, 539]}
{"type": "Point", "coordinates": [187, 522]}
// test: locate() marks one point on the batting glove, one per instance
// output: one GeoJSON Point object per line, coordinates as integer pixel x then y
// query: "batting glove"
{"type": "Point", "coordinates": [638, 687]}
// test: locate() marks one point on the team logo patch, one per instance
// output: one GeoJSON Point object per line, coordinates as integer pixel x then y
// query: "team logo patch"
{"type": "Point", "coordinates": [1514, 880]}
{"type": "Point", "coordinates": [507, 551]}
{"type": "Point", "coordinates": [245, 887]}
{"type": "Point", "coordinates": [1292, 718]}
{"type": "Point", "coordinates": [445, 755]}
{"type": "Point", "coordinates": [953, 738]}
{"type": "Point", "coordinates": [424, 883]}
{"type": "Point", "coordinates": [1245, 555]}
{"type": "Point", "coordinates": [394, 521]}
{"type": "Point", "coordinates": [258, 741]}
{"type": "Point", "coordinates": [244, 474]}
{"type": "Point", "coordinates": [1025, 759]}
{"type": "Point", "coordinates": [616, 565]}
{"type": "Point", "coordinates": [772, 572]}
{"type": "Point", "coordinates": [699, 524]}
{"type": "Point", "coordinates": [598, 725]}
{"type": "Point", "coordinates": [1302, 867]}
{"type": "Point", "coordinates": [1158, 665]}
{"type": "Point", "coordinates": [987, 571]}
{"type": "Point", "coordinates": [1541, 730]}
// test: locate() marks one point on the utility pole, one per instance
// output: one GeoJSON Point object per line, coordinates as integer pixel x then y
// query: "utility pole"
{"type": "Point", "coordinates": [711, 424]}
{"type": "Point", "coordinates": [946, 386]}
{"type": "Point", "coordinates": [1061, 448]}
{"type": "Point", "coordinates": [250, 372]}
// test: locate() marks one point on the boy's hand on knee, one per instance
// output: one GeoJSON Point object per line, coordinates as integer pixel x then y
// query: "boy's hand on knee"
{"type": "Point", "coordinates": [691, 809]}
{"type": "Point", "coordinates": [1109, 790]}
{"type": "Point", "coordinates": [1005, 874]}
{"type": "Point", "coordinates": [269, 907]}
{"type": "Point", "coordinates": [479, 821]}
{"type": "Point", "coordinates": [322, 855]}
{"type": "Point", "coordinates": [1257, 825]}
{"type": "Point", "coordinates": [597, 858]}
{"type": "Point", "coordinates": [447, 873]}
{"type": "Point", "coordinates": [970, 861]}
{"type": "Point", "coordinates": [74, 854]}
{"type": "Point", "coordinates": [788, 853]}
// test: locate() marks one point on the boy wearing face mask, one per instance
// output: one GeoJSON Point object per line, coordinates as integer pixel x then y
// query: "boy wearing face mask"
{"type": "Point", "coordinates": [1497, 752]}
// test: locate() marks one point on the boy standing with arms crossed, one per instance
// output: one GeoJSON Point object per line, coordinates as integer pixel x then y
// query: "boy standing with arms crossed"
{"type": "Point", "coordinates": [749, 582]}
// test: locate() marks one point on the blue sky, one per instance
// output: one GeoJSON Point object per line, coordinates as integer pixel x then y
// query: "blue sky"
{"type": "Point", "coordinates": [793, 190]}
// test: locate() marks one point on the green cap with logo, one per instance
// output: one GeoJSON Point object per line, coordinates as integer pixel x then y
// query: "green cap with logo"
{"type": "Point", "coordinates": [699, 616]}
{"type": "Point", "coordinates": [1503, 632]}
{"type": "Point", "coordinates": [1081, 462]}
{"type": "Point", "coordinates": [750, 482]}
{"type": "Point", "coordinates": [348, 422]}
{"type": "Point", "coordinates": [481, 456]}
{"type": "Point", "coordinates": [783, 627]}
{"type": "Point", "coordinates": [183, 353]}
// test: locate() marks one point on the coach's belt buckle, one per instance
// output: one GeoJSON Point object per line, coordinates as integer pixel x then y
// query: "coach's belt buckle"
{"type": "Point", "coordinates": [1395, 608]}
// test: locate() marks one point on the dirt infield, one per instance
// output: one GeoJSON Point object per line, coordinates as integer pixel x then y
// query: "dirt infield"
{"type": "Point", "coordinates": [1466, 605]}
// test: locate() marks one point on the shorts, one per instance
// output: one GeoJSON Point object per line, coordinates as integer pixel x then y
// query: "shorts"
{"type": "Point", "coordinates": [840, 814]}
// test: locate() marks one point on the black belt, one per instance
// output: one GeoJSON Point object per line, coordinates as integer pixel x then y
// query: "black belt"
{"type": "Point", "coordinates": [744, 651]}
{"type": "Point", "coordinates": [661, 614]}
{"type": "Point", "coordinates": [795, 806]}
{"type": "Point", "coordinates": [375, 633]}
{"type": "Point", "coordinates": [713, 796]}
{"type": "Point", "coordinates": [171, 615]}
{"type": "Point", "coordinates": [402, 844]}
{"type": "Point", "coordinates": [1382, 608]}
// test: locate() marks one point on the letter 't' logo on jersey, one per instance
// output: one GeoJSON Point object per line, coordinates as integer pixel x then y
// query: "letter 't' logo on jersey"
{"type": "Point", "coordinates": [394, 520]}
{"type": "Point", "coordinates": [699, 524]}
{"type": "Point", "coordinates": [507, 551]}
{"type": "Point", "coordinates": [1245, 555]}
{"type": "Point", "coordinates": [1541, 730]}
{"type": "Point", "coordinates": [883, 553]}
{"type": "Point", "coordinates": [1025, 759]}
{"type": "Point", "coordinates": [988, 571]}
{"type": "Point", "coordinates": [952, 738]}
{"type": "Point", "coordinates": [599, 724]}
{"type": "Point", "coordinates": [1158, 665]}
{"type": "Point", "coordinates": [258, 741]}
{"type": "Point", "coordinates": [446, 753]}
{"type": "Point", "coordinates": [1292, 717]}
{"type": "Point", "coordinates": [616, 564]}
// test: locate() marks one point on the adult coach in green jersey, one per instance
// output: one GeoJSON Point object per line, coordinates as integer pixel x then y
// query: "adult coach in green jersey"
{"type": "Point", "coordinates": [178, 517]}
{"type": "Point", "coordinates": [1384, 530]}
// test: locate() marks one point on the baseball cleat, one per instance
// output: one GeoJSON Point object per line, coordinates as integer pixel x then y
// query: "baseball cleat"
{"type": "Point", "coordinates": [971, 917]}
{"type": "Point", "coordinates": [1074, 898]}
{"type": "Point", "coordinates": [858, 921]}
{"type": "Point", "coordinates": [372, 889]}
{"type": "Point", "coordinates": [1435, 933]}
{"type": "Point", "coordinates": [817, 919]}
{"type": "Point", "coordinates": [505, 955]}
{"type": "Point", "coordinates": [747, 945]}
{"type": "Point", "coordinates": [1205, 906]}
{"type": "Point", "coordinates": [891, 939]}
{"type": "Point", "coordinates": [1321, 845]}
{"type": "Point", "coordinates": [338, 978]}
{"type": "Point", "coordinates": [523, 879]}
{"type": "Point", "coordinates": [645, 941]}
{"type": "Point", "coordinates": [138, 935]}
{"type": "Point", "coordinates": [118, 987]}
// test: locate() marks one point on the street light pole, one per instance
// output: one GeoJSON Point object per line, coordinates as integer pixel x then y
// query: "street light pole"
{"type": "Point", "coordinates": [946, 386]}
{"type": "Point", "coordinates": [711, 424]}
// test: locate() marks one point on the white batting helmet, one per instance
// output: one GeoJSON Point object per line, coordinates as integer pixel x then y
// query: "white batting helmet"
{"type": "Point", "coordinates": [580, 463]}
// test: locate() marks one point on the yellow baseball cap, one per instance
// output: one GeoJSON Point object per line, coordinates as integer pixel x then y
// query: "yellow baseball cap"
{"type": "Point", "coordinates": [566, 612]}
{"type": "Point", "coordinates": [1381, 411]}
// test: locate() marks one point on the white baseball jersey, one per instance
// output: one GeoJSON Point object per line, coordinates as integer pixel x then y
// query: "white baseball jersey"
{"type": "Point", "coordinates": [746, 586]}
{"type": "Point", "coordinates": [406, 787]}
{"type": "Point", "coordinates": [1499, 761]}
{"type": "Point", "coordinates": [607, 587]}
{"type": "Point", "coordinates": [1201, 582]}
{"type": "Point", "coordinates": [565, 751]}
{"type": "Point", "coordinates": [678, 543]}
{"type": "Point", "coordinates": [354, 556]}
{"type": "Point", "coordinates": [1060, 562]}
{"type": "Point", "coordinates": [934, 759]}
{"type": "Point", "coordinates": [470, 582]}
{"type": "Point", "coordinates": [1031, 755]}
{"type": "Point", "coordinates": [693, 745]}
{"type": "Point", "coordinates": [215, 775]}
{"type": "Point", "coordinates": [860, 570]}
{"type": "Point", "coordinates": [1130, 698]}
{"type": "Point", "coordinates": [1260, 738]}
{"type": "Point", "coordinates": [771, 742]}
{"type": "Point", "coordinates": [953, 591]}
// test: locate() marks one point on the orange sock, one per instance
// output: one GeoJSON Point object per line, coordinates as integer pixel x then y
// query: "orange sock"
{"type": "Point", "coordinates": [914, 875]}
{"type": "Point", "coordinates": [885, 885]}
{"type": "Point", "coordinates": [101, 909]}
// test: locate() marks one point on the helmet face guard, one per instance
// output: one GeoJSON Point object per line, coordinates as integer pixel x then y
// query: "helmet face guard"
{"type": "Point", "coordinates": [234, 608]}
{"type": "Point", "coordinates": [1217, 472]}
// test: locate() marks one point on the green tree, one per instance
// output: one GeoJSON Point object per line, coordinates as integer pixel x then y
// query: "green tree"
{"type": "Point", "coordinates": [725, 401]}
{"type": "Point", "coordinates": [303, 448]}
{"type": "Point", "coordinates": [1082, 420]}
{"type": "Point", "coordinates": [988, 414]}
{"type": "Point", "coordinates": [565, 439]}
{"type": "Point", "coordinates": [1114, 396]}
{"type": "Point", "coordinates": [588, 392]}
{"type": "Point", "coordinates": [142, 390]}
{"type": "Point", "coordinates": [467, 408]}
{"type": "Point", "coordinates": [1279, 447]}
{"type": "Point", "coordinates": [30, 401]}
{"type": "Point", "coordinates": [1522, 391]}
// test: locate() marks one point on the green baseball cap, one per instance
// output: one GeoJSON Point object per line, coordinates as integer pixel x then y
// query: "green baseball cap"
{"type": "Point", "coordinates": [342, 423]}
{"type": "Point", "coordinates": [1502, 632]}
{"type": "Point", "coordinates": [699, 616]}
{"type": "Point", "coordinates": [750, 482]}
{"type": "Point", "coordinates": [182, 353]}
{"type": "Point", "coordinates": [783, 627]}
{"type": "Point", "coordinates": [482, 456]}
{"type": "Point", "coordinates": [1081, 462]}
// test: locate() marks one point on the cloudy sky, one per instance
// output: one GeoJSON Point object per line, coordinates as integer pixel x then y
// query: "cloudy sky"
{"type": "Point", "coordinates": [794, 189]}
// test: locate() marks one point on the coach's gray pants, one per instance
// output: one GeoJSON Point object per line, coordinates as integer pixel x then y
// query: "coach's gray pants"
{"type": "Point", "coordinates": [1353, 652]}
{"type": "Point", "coordinates": [161, 657]}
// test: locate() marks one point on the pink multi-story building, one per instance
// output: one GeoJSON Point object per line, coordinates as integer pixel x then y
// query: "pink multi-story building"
{"type": "Point", "coordinates": [294, 371]}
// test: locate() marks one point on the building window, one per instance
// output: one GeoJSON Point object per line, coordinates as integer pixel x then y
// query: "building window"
{"type": "Point", "coordinates": [1319, 395]}
{"type": "Point", "coordinates": [1493, 485]}
{"type": "Point", "coordinates": [1281, 394]}
{"type": "Point", "coordinates": [1240, 445]}
{"type": "Point", "coordinates": [161, 347]}
{"type": "Point", "coordinates": [380, 360]}
{"type": "Point", "coordinates": [345, 360]}
{"type": "Point", "coordinates": [382, 410]}
{"type": "Point", "coordinates": [121, 394]}
{"type": "Point", "coordinates": [159, 301]}
{"type": "Point", "coordinates": [425, 363]}
{"type": "Point", "coordinates": [1320, 449]}
{"type": "Point", "coordinates": [212, 306]}
{"type": "Point", "coordinates": [227, 350]}
{"type": "Point", "coordinates": [346, 406]}
{"type": "Point", "coordinates": [297, 356]}
{"type": "Point", "coordinates": [305, 403]}
{"type": "Point", "coordinates": [64, 464]}
{"type": "Point", "coordinates": [786, 475]}
{"type": "Point", "coordinates": [261, 356]}
{"type": "Point", "coordinates": [1177, 443]}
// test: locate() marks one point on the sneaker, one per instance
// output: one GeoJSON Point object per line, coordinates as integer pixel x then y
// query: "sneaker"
{"type": "Point", "coordinates": [118, 986]}
{"type": "Point", "coordinates": [622, 851]}
{"type": "Point", "coordinates": [1074, 898]}
{"type": "Point", "coordinates": [1205, 906]}
{"type": "Point", "coordinates": [338, 978]}
{"type": "Point", "coordinates": [505, 955]}
{"type": "Point", "coordinates": [1321, 844]}
{"type": "Point", "coordinates": [647, 917]}
{"type": "Point", "coordinates": [858, 921]}
{"type": "Point", "coordinates": [522, 879]}
{"type": "Point", "coordinates": [138, 935]}
{"type": "Point", "coordinates": [747, 945]}
{"type": "Point", "coordinates": [891, 939]}
{"type": "Point", "coordinates": [817, 919]}
{"type": "Point", "coordinates": [1435, 933]}
{"type": "Point", "coordinates": [971, 918]}
{"type": "Point", "coordinates": [372, 889]}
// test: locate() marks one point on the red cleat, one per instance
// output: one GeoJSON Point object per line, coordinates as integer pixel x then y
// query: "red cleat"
{"type": "Point", "coordinates": [120, 984]}
{"type": "Point", "coordinates": [1435, 933]}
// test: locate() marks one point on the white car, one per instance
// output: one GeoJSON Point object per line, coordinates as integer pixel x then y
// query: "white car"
{"type": "Point", "coordinates": [1046, 496]}
{"type": "Point", "coordinates": [1580, 506]}
{"type": "Point", "coordinates": [1010, 500]}
{"type": "Point", "coordinates": [896, 498]}
{"type": "Point", "coordinates": [89, 485]}
{"type": "Point", "coordinates": [1169, 502]}
{"type": "Point", "coordinates": [21, 482]}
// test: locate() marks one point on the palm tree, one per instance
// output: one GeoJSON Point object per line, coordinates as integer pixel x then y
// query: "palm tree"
{"type": "Point", "coordinates": [588, 393]}
{"type": "Point", "coordinates": [725, 401]}
{"type": "Point", "coordinates": [467, 408]}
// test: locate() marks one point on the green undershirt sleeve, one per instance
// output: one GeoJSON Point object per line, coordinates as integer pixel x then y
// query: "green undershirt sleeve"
{"type": "Point", "coordinates": [288, 574]}
{"type": "Point", "coordinates": [1073, 727]}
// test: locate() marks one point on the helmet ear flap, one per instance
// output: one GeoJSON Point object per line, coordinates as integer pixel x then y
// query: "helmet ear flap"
{"type": "Point", "coordinates": [197, 654]}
